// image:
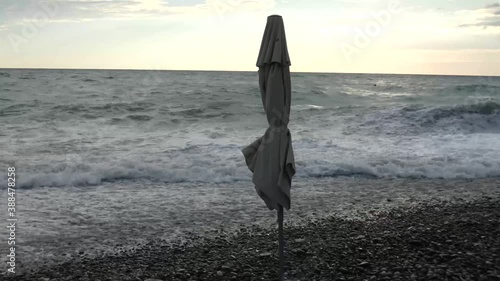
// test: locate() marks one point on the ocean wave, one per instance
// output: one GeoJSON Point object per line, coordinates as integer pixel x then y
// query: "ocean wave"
{"type": "Point", "coordinates": [28, 77]}
{"type": "Point", "coordinates": [214, 164]}
{"type": "Point", "coordinates": [92, 175]}
{"type": "Point", "coordinates": [470, 88]}
{"type": "Point", "coordinates": [319, 92]}
{"type": "Point", "coordinates": [301, 107]}
{"type": "Point", "coordinates": [435, 167]}
{"type": "Point", "coordinates": [17, 109]}
{"type": "Point", "coordinates": [472, 118]}
{"type": "Point", "coordinates": [193, 112]}
{"type": "Point", "coordinates": [139, 117]}
{"type": "Point", "coordinates": [145, 111]}
{"type": "Point", "coordinates": [394, 92]}
{"type": "Point", "coordinates": [219, 105]}
{"type": "Point", "coordinates": [466, 92]}
{"type": "Point", "coordinates": [485, 108]}
{"type": "Point", "coordinates": [105, 108]}
{"type": "Point", "coordinates": [390, 87]}
{"type": "Point", "coordinates": [207, 112]}
{"type": "Point", "coordinates": [418, 119]}
{"type": "Point", "coordinates": [125, 106]}
{"type": "Point", "coordinates": [385, 92]}
{"type": "Point", "coordinates": [70, 108]}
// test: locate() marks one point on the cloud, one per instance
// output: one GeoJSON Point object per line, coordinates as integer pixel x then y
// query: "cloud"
{"type": "Point", "coordinates": [359, 1]}
{"type": "Point", "coordinates": [485, 17]}
{"type": "Point", "coordinates": [17, 12]}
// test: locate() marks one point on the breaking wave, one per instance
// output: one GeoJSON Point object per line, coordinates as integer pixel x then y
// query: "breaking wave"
{"type": "Point", "coordinates": [224, 164]}
{"type": "Point", "coordinates": [472, 118]}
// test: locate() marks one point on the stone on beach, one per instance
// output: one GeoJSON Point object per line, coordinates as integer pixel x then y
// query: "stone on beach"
{"type": "Point", "coordinates": [411, 243]}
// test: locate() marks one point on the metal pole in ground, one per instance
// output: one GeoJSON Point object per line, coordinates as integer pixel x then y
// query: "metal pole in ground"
{"type": "Point", "coordinates": [281, 242]}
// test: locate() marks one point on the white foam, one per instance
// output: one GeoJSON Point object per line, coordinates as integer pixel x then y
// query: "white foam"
{"type": "Point", "coordinates": [432, 156]}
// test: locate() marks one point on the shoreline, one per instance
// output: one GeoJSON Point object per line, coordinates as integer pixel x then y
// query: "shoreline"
{"type": "Point", "coordinates": [92, 222]}
{"type": "Point", "coordinates": [428, 241]}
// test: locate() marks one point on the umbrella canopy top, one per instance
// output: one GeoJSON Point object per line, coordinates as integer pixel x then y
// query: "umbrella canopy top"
{"type": "Point", "coordinates": [270, 157]}
{"type": "Point", "coordinates": [273, 47]}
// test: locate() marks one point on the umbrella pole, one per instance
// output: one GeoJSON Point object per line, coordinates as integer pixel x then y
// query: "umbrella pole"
{"type": "Point", "coordinates": [281, 241]}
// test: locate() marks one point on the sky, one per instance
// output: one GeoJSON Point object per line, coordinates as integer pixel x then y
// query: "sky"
{"type": "Point", "coordinates": [454, 37]}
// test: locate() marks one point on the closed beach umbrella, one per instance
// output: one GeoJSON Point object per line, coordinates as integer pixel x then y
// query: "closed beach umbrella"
{"type": "Point", "coordinates": [270, 157]}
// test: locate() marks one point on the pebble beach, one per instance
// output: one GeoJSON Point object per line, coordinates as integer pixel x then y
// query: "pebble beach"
{"type": "Point", "coordinates": [403, 230]}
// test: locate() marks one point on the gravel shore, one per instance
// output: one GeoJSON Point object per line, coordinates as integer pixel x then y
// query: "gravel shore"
{"type": "Point", "coordinates": [429, 241]}
{"type": "Point", "coordinates": [59, 224]}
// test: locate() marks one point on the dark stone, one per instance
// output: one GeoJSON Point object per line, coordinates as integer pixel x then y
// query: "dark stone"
{"type": "Point", "coordinates": [402, 244]}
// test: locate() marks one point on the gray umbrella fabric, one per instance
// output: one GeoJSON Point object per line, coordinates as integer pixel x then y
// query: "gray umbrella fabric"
{"type": "Point", "coordinates": [270, 157]}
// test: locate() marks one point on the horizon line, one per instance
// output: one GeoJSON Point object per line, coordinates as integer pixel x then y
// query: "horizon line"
{"type": "Point", "coordinates": [205, 70]}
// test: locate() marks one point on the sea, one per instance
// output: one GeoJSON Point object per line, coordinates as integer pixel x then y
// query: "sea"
{"type": "Point", "coordinates": [85, 127]}
{"type": "Point", "coordinates": [94, 148]}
